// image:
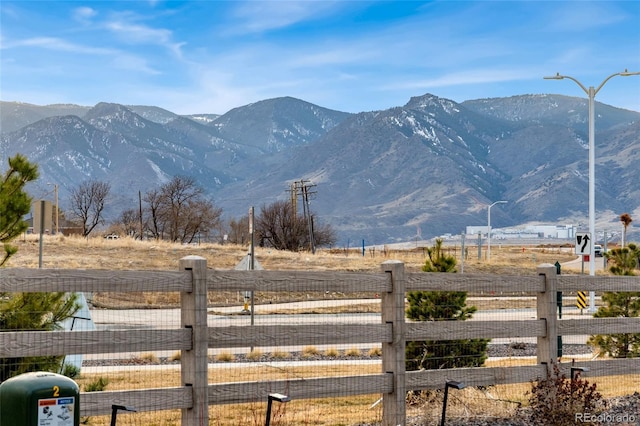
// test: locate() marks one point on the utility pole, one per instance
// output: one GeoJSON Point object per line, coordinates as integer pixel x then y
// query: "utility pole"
{"type": "Point", "coordinates": [302, 188]}
{"type": "Point", "coordinates": [294, 198]}
{"type": "Point", "coordinates": [307, 213]}
{"type": "Point", "coordinates": [140, 213]}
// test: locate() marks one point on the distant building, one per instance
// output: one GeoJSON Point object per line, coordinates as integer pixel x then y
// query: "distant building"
{"type": "Point", "coordinates": [475, 230]}
{"type": "Point", "coordinates": [563, 232]}
{"type": "Point", "coordinates": [65, 227]}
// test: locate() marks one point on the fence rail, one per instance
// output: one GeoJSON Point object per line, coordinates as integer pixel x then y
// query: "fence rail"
{"type": "Point", "coordinates": [194, 338]}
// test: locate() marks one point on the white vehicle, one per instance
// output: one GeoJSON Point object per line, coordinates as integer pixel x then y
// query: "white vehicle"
{"type": "Point", "coordinates": [597, 250]}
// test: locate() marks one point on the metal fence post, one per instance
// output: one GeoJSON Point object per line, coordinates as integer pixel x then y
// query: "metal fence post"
{"type": "Point", "coordinates": [393, 353]}
{"type": "Point", "coordinates": [193, 362]}
{"type": "Point", "coordinates": [546, 305]}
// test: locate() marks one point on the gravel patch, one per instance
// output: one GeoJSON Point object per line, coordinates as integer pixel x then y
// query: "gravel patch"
{"type": "Point", "coordinates": [515, 349]}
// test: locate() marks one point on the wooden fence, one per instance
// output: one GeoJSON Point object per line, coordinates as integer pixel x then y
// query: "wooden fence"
{"type": "Point", "coordinates": [194, 280]}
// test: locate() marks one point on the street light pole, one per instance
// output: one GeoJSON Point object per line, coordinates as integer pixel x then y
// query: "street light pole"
{"type": "Point", "coordinates": [591, 93]}
{"type": "Point", "coordinates": [489, 228]}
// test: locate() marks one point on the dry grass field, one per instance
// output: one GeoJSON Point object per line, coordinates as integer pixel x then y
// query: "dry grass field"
{"type": "Point", "coordinates": [127, 254]}
{"type": "Point", "coordinates": [495, 401]}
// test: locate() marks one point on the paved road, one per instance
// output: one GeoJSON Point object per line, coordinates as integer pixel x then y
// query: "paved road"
{"type": "Point", "coordinates": [578, 265]}
{"type": "Point", "coordinates": [222, 317]}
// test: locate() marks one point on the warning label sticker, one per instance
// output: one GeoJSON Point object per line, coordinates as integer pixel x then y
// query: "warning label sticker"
{"type": "Point", "coordinates": [56, 411]}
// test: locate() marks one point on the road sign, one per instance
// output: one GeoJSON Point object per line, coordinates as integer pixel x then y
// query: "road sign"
{"type": "Point", "coordinates": [583, 243]}
{"type": "Point", "coordinates": [581, 301]}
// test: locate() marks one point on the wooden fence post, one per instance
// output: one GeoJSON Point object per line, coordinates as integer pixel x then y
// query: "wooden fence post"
{"type": "Point", "coordinates": [393, 353]}
{"type": "Point", "coordinates": [547, 348]}
{"type": "Point", "coordinates": [194, 362]}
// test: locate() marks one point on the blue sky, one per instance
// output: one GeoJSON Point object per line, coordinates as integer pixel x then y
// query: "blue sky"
{"type": "Point", "coordinates": [212, 56]}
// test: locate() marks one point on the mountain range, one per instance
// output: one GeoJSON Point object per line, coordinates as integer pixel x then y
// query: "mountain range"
{"type": "Point", "coordinates": [424, 169]}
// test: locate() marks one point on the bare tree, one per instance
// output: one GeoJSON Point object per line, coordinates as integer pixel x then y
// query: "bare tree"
{"type": "Point", "coordinates": [324, 235]}
{"type": "Point", "coordinates": [279, 226]}
{"type": "Point", "coordinates": [239, 231]}
{"type": "Point", "coordinates": [87, 204]}
{"type": "Point", "coordinates": [175, 197]}
{"type": "Point", "coordinates": [199, 217]}
{"type": "Point", "coordinates": [129, 222]}
{"type": "Point", "coordinates": [154, 221]}
{"type": "Point", "coordinates": [179, 211]}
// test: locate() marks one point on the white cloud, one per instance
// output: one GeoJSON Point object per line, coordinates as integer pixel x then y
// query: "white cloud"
{"type": "Point", "coordinates": [258, 16]}
{"type": "Point", "coordinates": [54, 43]}
{"type": "Point", "coordinates": [572, 56]}
{"type": "Point", "coordinates": [331, 56]}
{"type": "Point", "coordinates": [133, 63]}
{"type": "Point", "coordinates": [84, 14]}
{"type": "Point", "coordinates": [141, 34]}
{"type": "Point", "coordinates": [582, 16]}
{"type": "Point", "coordinates": [475, 76]}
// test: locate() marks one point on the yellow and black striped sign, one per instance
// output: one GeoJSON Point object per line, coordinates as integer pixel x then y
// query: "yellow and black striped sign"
{"type": "Point", "coordinates": [581, 302]}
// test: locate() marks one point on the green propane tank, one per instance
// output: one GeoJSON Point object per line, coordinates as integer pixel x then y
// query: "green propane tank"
{"type": "Point", "coordinates": [39, 399]}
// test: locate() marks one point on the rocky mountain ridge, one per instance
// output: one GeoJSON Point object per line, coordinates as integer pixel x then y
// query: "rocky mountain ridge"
{"type": "Point", "coordinates": [426, 168]}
